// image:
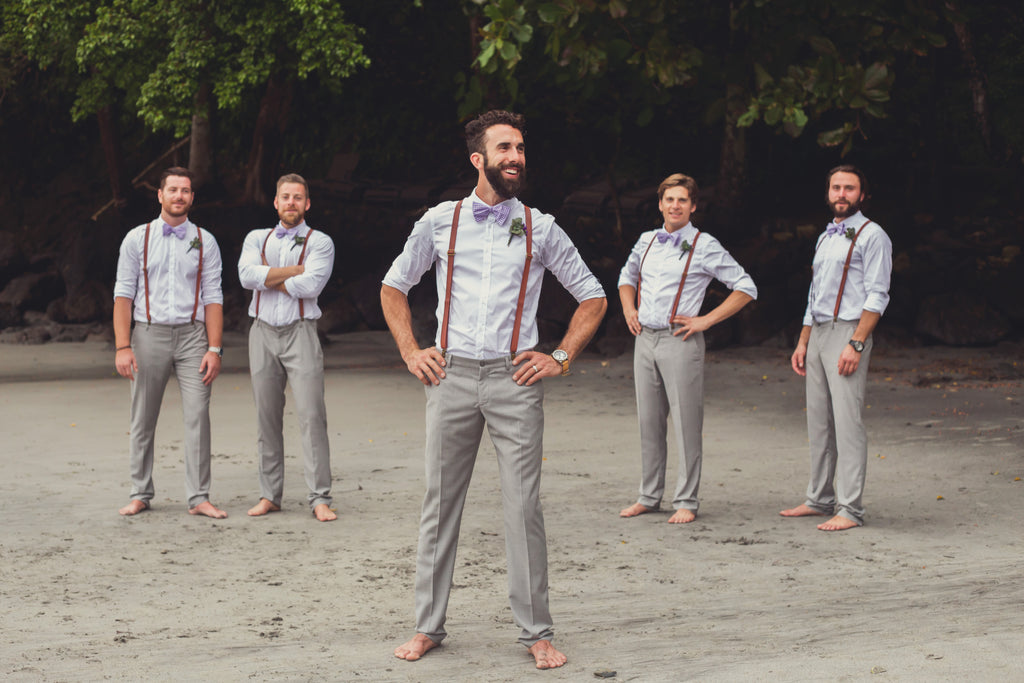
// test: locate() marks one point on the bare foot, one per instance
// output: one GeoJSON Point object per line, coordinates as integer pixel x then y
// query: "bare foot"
{"type": "Point", "coordinates": [634, 510]}
{"type": "Point", "coordinates": [838, 523]}
{"type": "Point", "coordinates": [801, 510]}
{"type": "Point", "coordinates": [546, 655]}
{"type": "Point", "coordinates": [321, 512]}
{"type": "Point", "coordinates": [682, 516]}
{"type": "Point", "coordinates": [133, 508]}
{"type": "Point", "coordinates": [263, 507]}
{"type": "Point", "coordinates": [207, 509]}
{"type": "Point", "coordinates": [416, 647]}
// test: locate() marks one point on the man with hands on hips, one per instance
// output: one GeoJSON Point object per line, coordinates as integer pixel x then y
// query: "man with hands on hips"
{"type": "Point", "coordinates": [661, 288]}
{"type": "Point", "coordinates": [490, 252]}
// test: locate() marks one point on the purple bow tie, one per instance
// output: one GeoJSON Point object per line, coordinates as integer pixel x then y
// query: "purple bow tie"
{"type": "Point", "coordinates": [282, 231]}
{"type": "Point", "coordinates": [835, 228]}
{"type": "Point", "coordinates": [177, 230]}
{"type": "Point", "coordinates": [499, 211]}
{"type": "Point", "coordinates": [666, 236]}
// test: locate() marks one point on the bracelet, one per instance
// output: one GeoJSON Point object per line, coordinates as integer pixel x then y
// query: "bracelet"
{"type": "Point", "coordinates": [122, 348]}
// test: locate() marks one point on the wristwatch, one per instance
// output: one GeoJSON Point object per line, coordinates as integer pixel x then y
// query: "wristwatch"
{"type": "Point", "coordinates": [858, 346]}
{"type": "Point", "coordinates": [217, 350]}
{"type": "Point", "coordinates": [563, 358]}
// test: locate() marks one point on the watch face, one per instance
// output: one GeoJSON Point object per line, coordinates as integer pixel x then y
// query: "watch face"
{"type": "Point", "coordinates": [858, 346]}
{"type": "Point", "coordinates": [560, 355]}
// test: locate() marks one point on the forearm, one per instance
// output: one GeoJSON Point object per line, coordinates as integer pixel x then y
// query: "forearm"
{"type": "Point", "coordinates": [627, 297]}
{"type": "Point", "coordinates": [122, 322]}
{"type": "Point", "coordinates": [728, 308]}
{"type": "Point", "coordinates": [214, 324]}
{"type": "Point", "coordinates": [276, 276]}
{"type": "Point", "coordinates": [805, 336]}
{"type": "Point", "coordinates": [398, 315]}
{"type": "Point", "coordinates": [868, 321]}
{"type": "Point", "coordinates": [583, 325]}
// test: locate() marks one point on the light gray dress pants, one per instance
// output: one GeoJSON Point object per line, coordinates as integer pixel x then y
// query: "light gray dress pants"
{"type": "Point", "coordinates": [280, 355]}
{"type": "Point", "coordinates": [159, 351]}
{"type": "Point", "coordinates": [669, 377]}
{"type": "Point", "coordinates": [835, 427]}
{"type": "Point", "coordinates": [472, 394]}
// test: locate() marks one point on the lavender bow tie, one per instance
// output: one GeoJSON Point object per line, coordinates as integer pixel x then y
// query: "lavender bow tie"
{"type": "Point", "coordinates": [177, 230]}
{"type": "Point", "coordinates": [666, 236]}
{"type": "Point", "coordinates": [835, 229]}
{"type": "Point", "coordinates": [499, 211]}
{"type": "Point", "coordinates": [282, 231]}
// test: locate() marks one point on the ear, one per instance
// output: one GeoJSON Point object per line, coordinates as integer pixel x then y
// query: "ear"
{"type": "Point", "coordinates": [477, 159]}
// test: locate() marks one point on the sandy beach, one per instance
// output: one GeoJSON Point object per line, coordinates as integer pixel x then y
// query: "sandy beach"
{"type": "Point", "coordinates": [930, 589]}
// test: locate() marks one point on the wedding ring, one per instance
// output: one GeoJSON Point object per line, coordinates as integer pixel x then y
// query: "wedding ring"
{"type": "Point", "coordinates": [535, 369]}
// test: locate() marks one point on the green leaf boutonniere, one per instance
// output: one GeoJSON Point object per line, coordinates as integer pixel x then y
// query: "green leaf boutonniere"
{"type": "Point", "coordinates": [516, 229]}
{"type": "Point", "coordinates": [850, 234]}
{"type": "Point", "coordinates": [299, 240]}
{"type": "Point", "coordinates": [683, 248]}
{"type": "Point", "coordinates": [194, 244]}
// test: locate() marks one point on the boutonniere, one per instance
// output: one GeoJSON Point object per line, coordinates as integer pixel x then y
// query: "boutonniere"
{"type": "Point", "coordinates": [850, 234]}
{"type": "Point", "coordinates": [299, 240]}
{"type": "Point", "coordinates": [515, 230]}
{"type": "Point", "coordinates": [683, 248]}
{"type": "Point", "coordinates": [194, 244]}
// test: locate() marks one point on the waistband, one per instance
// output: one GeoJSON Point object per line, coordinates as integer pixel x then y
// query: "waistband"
{"type": "Point", "coordinates": [452, 361]}
{"type": "Point", "coordinates": [258, 322]}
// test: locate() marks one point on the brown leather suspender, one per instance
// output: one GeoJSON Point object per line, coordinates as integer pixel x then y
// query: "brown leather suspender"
{"type": "Point", "coordinates": [263, 258]}
{"type": "Point", "coordinates": [522, 284]}
{"type": "Point", "coordinates": [145, 272]}
{"type": "Point", "coordinates": [682, 281]}
{"type": "Point", "coordinates": [448, 286]}
{"type": "Point", "coordinates": [846, 270]}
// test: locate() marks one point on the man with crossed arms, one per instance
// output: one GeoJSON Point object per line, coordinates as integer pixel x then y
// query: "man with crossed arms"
{"type": "Point", "coordinates": [488, 284]}
{"type": "Point", "coordinates": [287, 267]}
{"type": "Point", "coordinates": [849, 292]}
{"type": "Point", "coordinates": [169, 271]}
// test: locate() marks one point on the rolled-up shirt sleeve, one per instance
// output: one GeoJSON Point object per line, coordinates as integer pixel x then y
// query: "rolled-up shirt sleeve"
{"type": "Point", "coordinates": [128, 267]}
{"type": "Point", "coordinates": [416, 258]}
{"type": "Point", "coordinates": [630, 273]}
{"type": "Point", "coordinates": [877, 271]}
{"type": "Point", "coordinates": [318, 264]}
{"type": "Point", "coordinates": [212, 266]}
{"type": "Point", "coordinates": [561, 257]}
{"type": "Point", "coordinates": [252, 274]}
{"type": "Point", "coordinates": [721, 265]}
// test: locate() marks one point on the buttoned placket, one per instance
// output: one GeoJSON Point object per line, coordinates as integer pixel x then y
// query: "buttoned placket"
{"type": "Point", "coordinates": [170, 283]}
{"type": "Point", "coordinates": [483, 331]}
{"type": "Point", "coordinates": [282, 255]}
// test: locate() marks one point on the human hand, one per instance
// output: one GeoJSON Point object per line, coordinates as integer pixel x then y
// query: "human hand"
{"type": "Point", "coordinates": [536, 366]}
{"type": "Point", "coordinates": [124, 361]}
{"type": "Point", "coordinates": [209, 368]}
{"type": "Point", "coordinates": [427, 365]}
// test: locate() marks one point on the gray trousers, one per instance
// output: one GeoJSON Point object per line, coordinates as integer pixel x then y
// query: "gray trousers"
{"type": "Point", "coordinates": [669, 377]}
{"type": "Point", "coordinates": [472, 394]}
{"type": "Point", "coordinates": [835, 427]}
{"type": "Point", "coordinates": [280, 355]}
{"type": "Point", "coordinates": [161, 350]}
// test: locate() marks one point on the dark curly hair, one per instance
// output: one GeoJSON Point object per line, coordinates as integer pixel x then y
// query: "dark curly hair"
{"type": "Point", "coordinates": [477, 128]}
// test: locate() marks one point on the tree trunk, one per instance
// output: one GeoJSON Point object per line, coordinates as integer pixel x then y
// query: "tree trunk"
{"type": "Point", "coordinates": [111, 143]}
{"type": "Point", "coordinates": [200, 151]}
{"type": "Point", "coordinates": [976, 78]}
{"type": "Point", "coordinates": [267, 139]}
{"type": "Point", "coordinates": [732, 166]}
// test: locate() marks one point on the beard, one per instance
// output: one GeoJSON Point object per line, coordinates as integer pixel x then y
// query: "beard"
{"type": "Point", "coordinates": [291, 218]}
{"type": "Point", "coordinates": [850, 209]}
{"type": "Point", "coordinates": [506, 187]}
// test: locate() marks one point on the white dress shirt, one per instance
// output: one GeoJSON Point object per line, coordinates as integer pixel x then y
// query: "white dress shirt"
{"type": "Point", "coordinates": [173, 264]}
{"type": "Point", "coordinates": [276, 307]}
{"type": "Point", "coordinates": [487, 276]}
{"type": "Point", "coordinates": [867, 284]}
{"type": "Point", "coordinates": [663, 269]}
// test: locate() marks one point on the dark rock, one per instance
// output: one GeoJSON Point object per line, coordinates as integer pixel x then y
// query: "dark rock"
{"type": "Point", "coordinates": [10, 316]}
{"type": "Point", "coordinates": [960, 319]}
{"type": "Point", "coordinates": [32, 291]}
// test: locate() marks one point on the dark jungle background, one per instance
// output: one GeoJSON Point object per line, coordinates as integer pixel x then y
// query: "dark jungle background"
{"type": "Point", "coordinates": [754, 98]}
